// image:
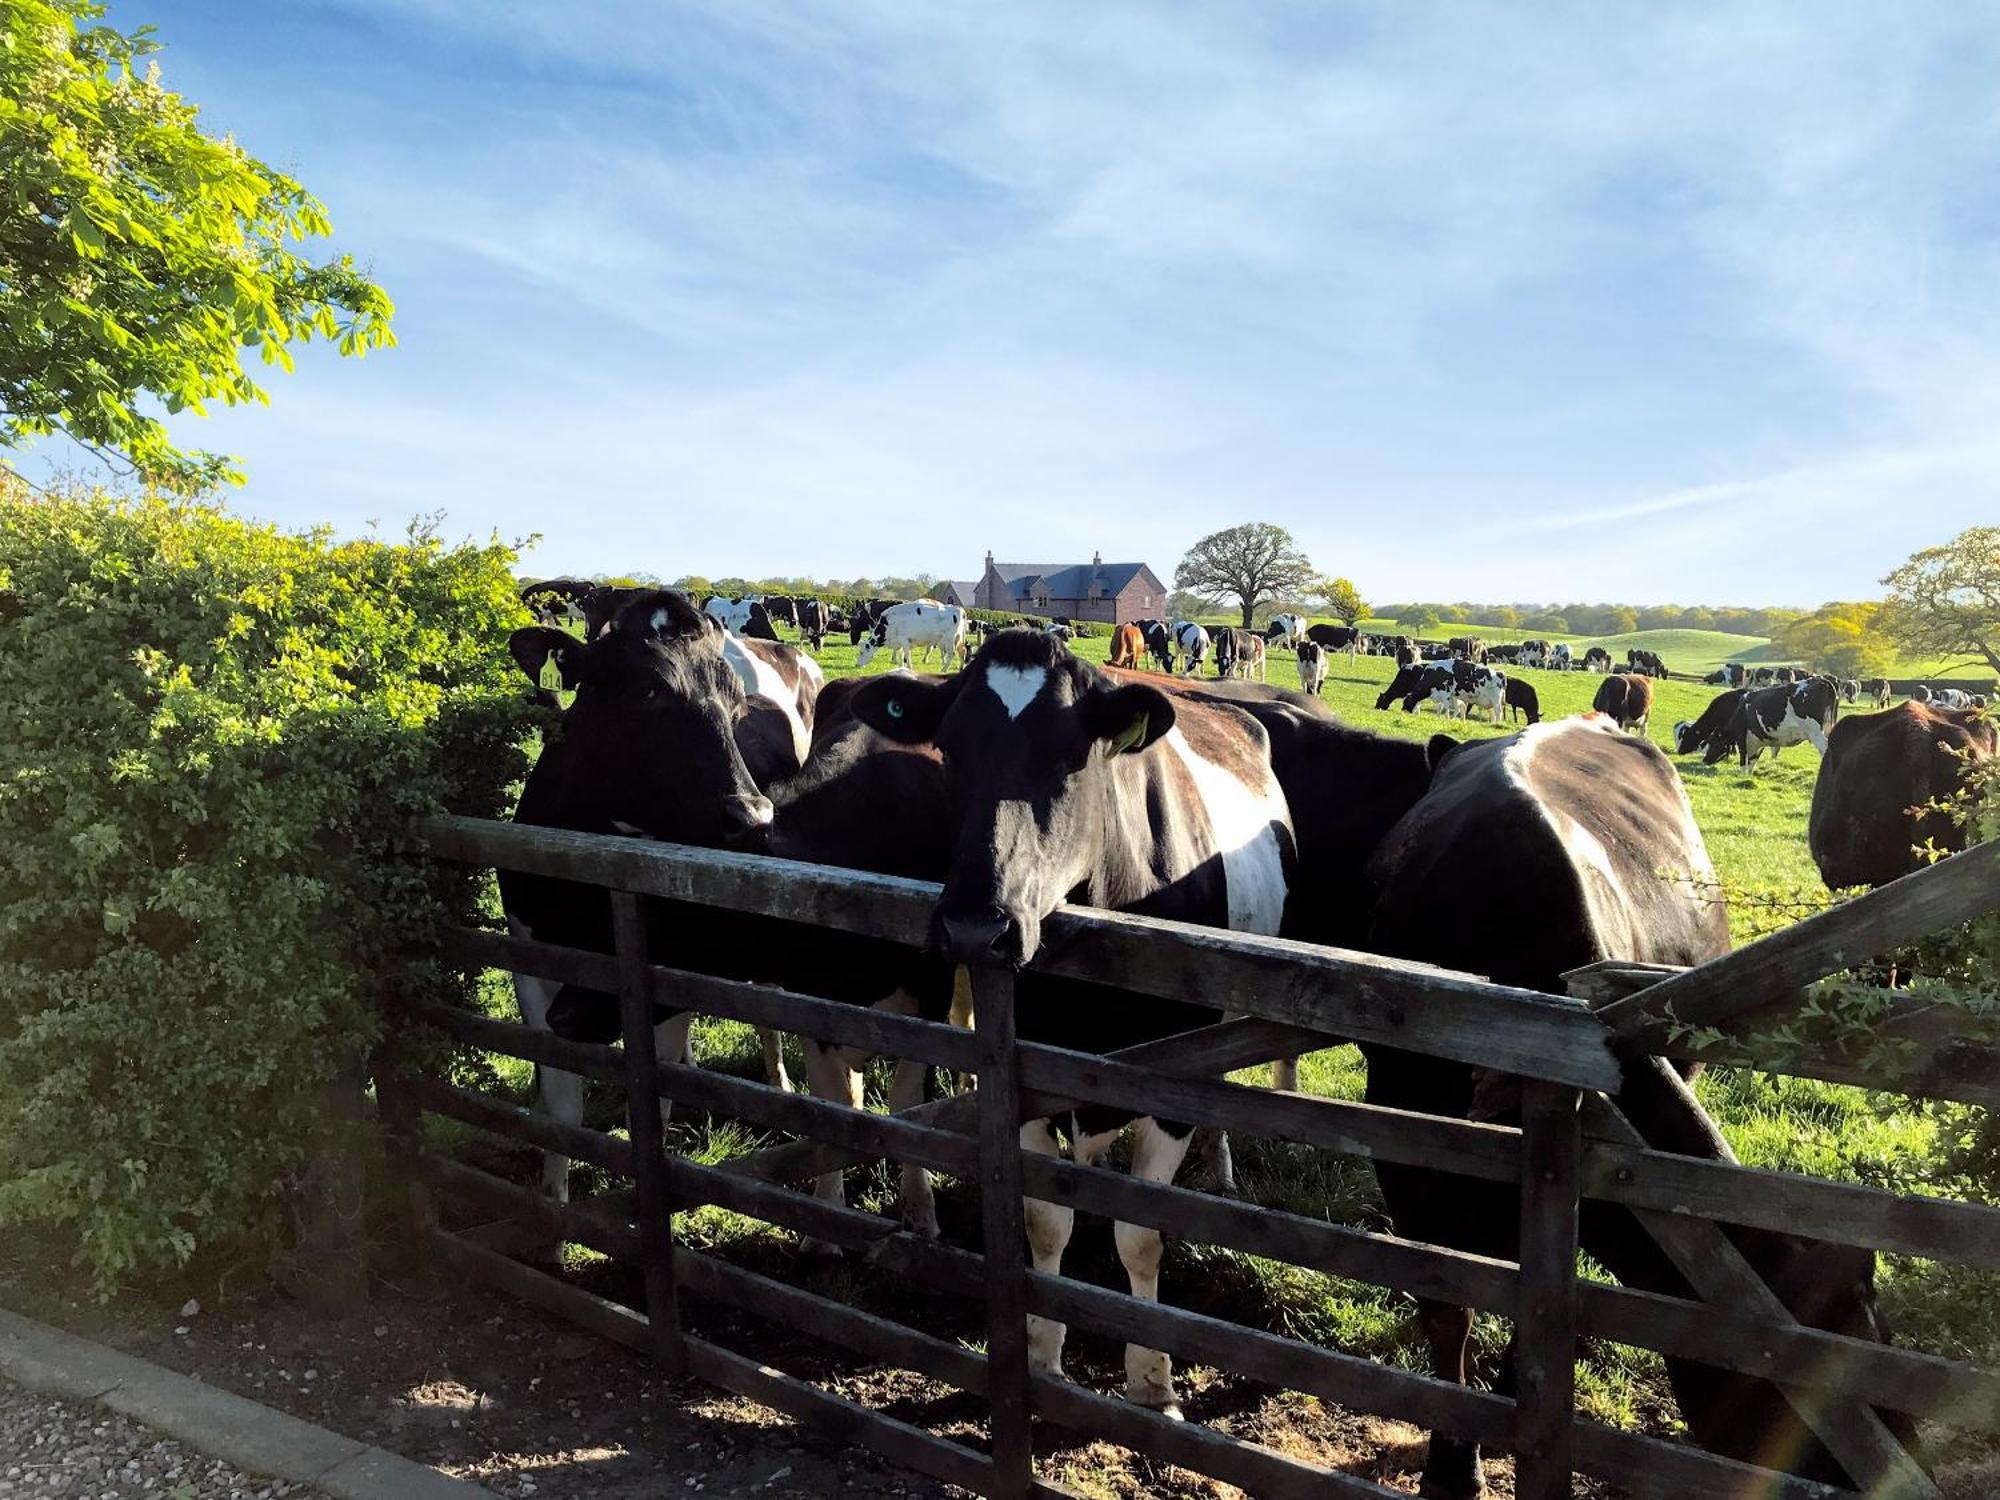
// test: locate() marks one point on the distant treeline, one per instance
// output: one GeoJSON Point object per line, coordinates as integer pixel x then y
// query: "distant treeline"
{"type": "Point", "coordinates": [1598, 619]}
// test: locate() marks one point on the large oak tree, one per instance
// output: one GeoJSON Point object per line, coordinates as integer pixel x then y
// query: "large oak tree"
{"type": "Point", "coordinates": [1252, 564]}
{"type": "Point", "coordinates": [140, 256]}
{"type": "Point", "coordinates": [1945, 601]}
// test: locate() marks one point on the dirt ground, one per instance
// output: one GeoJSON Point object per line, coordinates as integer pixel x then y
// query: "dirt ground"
{"type": "Point", "coordinates": [492, 1390]}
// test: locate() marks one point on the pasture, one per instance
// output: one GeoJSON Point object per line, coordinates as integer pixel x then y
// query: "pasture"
{"type": "Point", "coordinates": [1754, 826]}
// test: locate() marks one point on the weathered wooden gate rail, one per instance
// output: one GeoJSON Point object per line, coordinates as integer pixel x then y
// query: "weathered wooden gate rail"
{"type": "Point", "coordinates": [1296, 998]}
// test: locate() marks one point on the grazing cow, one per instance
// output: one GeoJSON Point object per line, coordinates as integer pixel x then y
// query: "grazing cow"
{"type": "Point", "coordinates": [1435, 682]}
{"type": "Point", "coordinates": [1191, 641]}
{"type": "Point", "coordinates": [1285, 630]}
{"type": "Point", "coordinates": [1468, 646]}
{"type": "Point", "coordinates": [1523, 699]}
{"type": "Point", "coordinates": [1339, 638]}
{"type": "Point", "coordinates": [1560, 656]}
{"type": "Point", "coordinates": [1160, 642]}
{"type": "Point", "coordinates": [1877, 690]}
{"type": "Point", "coordinates": [1695, 734]}
{"type": "Point", "coordinates": [1237, 652]}
{"type": "Point", "coordinates": [1603, 860]}
{"type": "Point", "coordinates": [862, 617]}
{"type": "Point", "coordinates": [814, 621]}
{"type": "Point", "coordinates": [1875, 804]}
{"type": "Point", "coordinates": [1537, 653]}
{"type": "Point", "coordinates": [1074, 782]}
{"type": "Point", "coordinates": [1730, 674]}
{"type": "Point", "coordinates": [1763, 677]}
{"type": "Point", "coordinates": [1957, 698]}
{"type": "Point", "coordinates": [664, 738]}
{"type": "Point", "coordinates": [1774, 717]}
{"type": "Point", "coordinates": [1511, 655]}
{"type": "Point", "coordinates": [920, 625]}
{"type": "Point", "coordinates": [1850, 690]}
{"type": "Point", "coordinates": [1596, 659]}
{"type": "Point", "coordinates": [1059, 630]}
{"type": "Point", "coordinates": [783, 609]}
{"type": "Point", "coordinates": [1128, 644]}
{"type": "Point", "coordinates": [1312, 667]}
{"type": "Point", "coordinates": [1406, 656]}
{"type": "Point", "coordinates": [1627, 699]}
{"type": "Point", "coordinates": [1647, 662]}
{"type": "Point", "coordinates": [1920, 694]}
{"type": "Point", "coordinates": [1488, 690]}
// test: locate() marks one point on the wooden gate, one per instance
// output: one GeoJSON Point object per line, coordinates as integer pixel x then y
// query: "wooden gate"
{"type": "Point", "coordinates": [1290, 999]}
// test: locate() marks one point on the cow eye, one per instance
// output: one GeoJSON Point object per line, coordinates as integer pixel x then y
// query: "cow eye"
{"type": "Point", "coordinates": [894, 708]}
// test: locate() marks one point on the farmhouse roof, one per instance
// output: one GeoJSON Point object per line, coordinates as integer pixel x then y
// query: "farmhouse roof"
{"type": "Point", "coordinates": [1067, 580]}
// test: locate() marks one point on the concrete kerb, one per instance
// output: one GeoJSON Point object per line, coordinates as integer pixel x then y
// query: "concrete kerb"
{"type": "Point", "coordinates": [215, 1422]}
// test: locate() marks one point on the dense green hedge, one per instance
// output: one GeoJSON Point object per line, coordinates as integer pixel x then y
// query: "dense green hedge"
{"type": "Point", "coordinates": [213, 736]}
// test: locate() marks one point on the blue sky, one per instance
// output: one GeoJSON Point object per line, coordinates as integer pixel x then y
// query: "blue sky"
{"type": "Point", "coordinates": [1697, 304]}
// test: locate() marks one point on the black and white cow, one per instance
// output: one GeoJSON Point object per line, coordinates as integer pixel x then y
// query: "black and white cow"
{"type": "Point", "coordinates": [813, 620]}
{"type": "Point", "coordinates": [1774, 717]}
{"type": "Point", "coordinates": [1238, 652]}
{"type": "Point", "coordinates": [1952, 698]}
{"type": "Point", "coordinates": [1069, 781]}
{"type": "Point", "coordinates": [1561, 658]}
{"type": "Point", "coordinates": [1695, 734]}
{"type": "Point", "coordinates": [665, 738]}
{"type": "Point", "coordinates": [1536, 653]}
{"type": "Point", "coordinates": [1191, 641]}
{"type": "Point", "coordinates": [1596, 659]}
{"type": "Point", "coordinates": [1312, 667]}
{"type": "Point", "coordinates": [1437, 683]}
{"type": "Point", "coordinates": [1339, 638]}
{"type": "Point", "coordinates": [1877, 691]}
{"type": "Point", "coordinates": [1159, 638]}
{"type": "Point", "coordinates": [1647, 662]}
{"type": "Point", "coordinates": [1285, 630]}
{"type": "Point", "coordinates": [862, 617]}
{"type": "Point", "coordinates": [906, 630]}
{"type": "Point", "coordinates": [1603, 860]}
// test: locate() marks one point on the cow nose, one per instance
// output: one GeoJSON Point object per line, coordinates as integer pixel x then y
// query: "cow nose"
{"type": "Point", "coordinates": [988, 935]}
{"type": "Point", "coordinates": [746, 820]}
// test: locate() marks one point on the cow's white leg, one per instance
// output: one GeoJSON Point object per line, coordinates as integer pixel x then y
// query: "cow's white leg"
{"type": "Point", "coordinates": [558, 1094]}
{"type": "Point", "coordinates": [772, 1046]}
{"type": "Point", "coordinates": [830, 1075]}
{"type": "Point", "coordinates": [906, 1092]}
{"type": "Point", "coordinates": [1816, 737]}
{"type": "Point", "coordinates": [673, 1042]}
{"type": "Point", "coordinates": [1049, 1226]}
{"type": "Point", "coordinates": [1149, 1373]}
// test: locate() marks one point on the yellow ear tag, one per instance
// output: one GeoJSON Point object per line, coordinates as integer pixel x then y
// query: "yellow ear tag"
{"type": "Point", "coordinates": [1130, 735]}
{"type": "Point", "coordinates": [551, 676]}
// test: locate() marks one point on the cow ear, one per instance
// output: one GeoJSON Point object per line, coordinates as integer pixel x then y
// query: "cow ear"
{"type": "Point", "coordinates": [534, 648]}
{"type": "Point", "coordinates": [903, 708]}
{"type": "Point", "coordinates": [1128, 719]}
{"type": "Point", "coordinates": [1440, 746]}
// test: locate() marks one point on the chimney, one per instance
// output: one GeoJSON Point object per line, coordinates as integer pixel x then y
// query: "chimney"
{"type": "Point", "coordinates": [1096, 559]}
{"type": "Point", "coordinates": [989, 557]}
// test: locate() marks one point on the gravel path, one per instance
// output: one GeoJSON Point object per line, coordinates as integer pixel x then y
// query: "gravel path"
{"type": "Point", "coordinates": [70, 1451]}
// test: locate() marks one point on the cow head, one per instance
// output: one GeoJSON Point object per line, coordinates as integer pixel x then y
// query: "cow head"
{"type": "Point", "coordinates": [1028, 735]}
{"type": "Point", "coordinates": [649, 744]}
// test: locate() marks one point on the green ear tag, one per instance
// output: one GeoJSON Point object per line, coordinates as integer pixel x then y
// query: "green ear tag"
{"type": "Point", "coordinates": [551, 676]}
{"type": "Point", "coordinates": [1130, 735]}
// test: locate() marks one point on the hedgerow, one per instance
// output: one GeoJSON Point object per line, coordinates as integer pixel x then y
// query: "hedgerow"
{"type": "Point", "coordinates": [214, 737]}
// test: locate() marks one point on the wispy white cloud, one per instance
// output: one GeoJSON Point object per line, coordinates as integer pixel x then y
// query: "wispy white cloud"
{"type": "Point", "coordinates": [868, 283]}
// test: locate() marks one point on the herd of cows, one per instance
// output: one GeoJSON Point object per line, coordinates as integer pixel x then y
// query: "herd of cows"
{"type": "Point", "coordinates": [1028, 777]}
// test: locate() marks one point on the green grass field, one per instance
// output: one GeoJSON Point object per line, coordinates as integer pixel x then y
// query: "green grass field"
{"type": "Point", "coordinates": [1755, 830]}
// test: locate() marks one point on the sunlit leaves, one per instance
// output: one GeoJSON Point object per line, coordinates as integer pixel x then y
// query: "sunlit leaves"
{"type": "Point", "coordinates": [139, 256]}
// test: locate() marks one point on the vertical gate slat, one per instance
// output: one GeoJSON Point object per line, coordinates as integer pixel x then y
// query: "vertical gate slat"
{"type": "Point", "coordinates": [1545, 1311]}
{"type": "Point", "coordinates": [1005, 1233]}
{"type": "Point", "coordinates": [642, 1110]}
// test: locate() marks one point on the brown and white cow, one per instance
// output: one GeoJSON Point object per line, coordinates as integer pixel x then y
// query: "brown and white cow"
{"type": "Point", "coordinates": [1627, 699]}
{"type": "Point", "coordinates": [1874, 804]}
